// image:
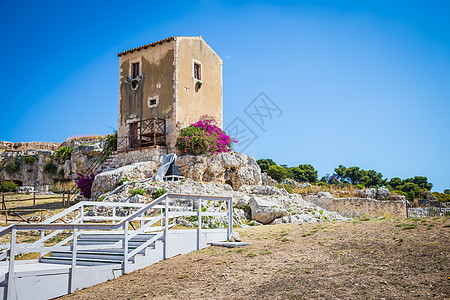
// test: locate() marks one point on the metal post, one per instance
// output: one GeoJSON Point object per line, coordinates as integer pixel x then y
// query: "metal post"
{"type": "Point", "coordinates": [114, 215]}
{"type": "Point", "coordinates": [230, 217]}
{"type": "Point", "coordinates": [74, 259]}
{"type": "Point", "coordinates": [12, 253]}
{"type": "Point", "coordinates": [42, 236]}
{"type": "Point", "coordinates": [199, 216]}
{"type": "Point", "coordinates": [166, 225]}
{"type": "Point", "coordinates": [125, 248]}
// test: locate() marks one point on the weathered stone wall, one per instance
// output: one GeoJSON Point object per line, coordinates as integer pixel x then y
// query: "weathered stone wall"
{"type": "Point", "coordinates": [361, 207]}
{"type": "Point", "coordinates": [9, 146]}
{"type": "Point", "coordinates": [126, 158]}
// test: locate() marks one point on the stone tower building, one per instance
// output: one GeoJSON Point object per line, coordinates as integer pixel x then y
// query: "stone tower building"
{"type": "Point", "coordinates": [175, 80]}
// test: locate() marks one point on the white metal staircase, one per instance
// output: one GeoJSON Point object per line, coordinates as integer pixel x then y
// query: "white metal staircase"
{"type": "Point", "coordinates": [104, 240]}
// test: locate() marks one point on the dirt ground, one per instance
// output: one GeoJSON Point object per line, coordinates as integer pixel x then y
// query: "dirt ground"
{"type": "Point", "coordinates": [347, 260]}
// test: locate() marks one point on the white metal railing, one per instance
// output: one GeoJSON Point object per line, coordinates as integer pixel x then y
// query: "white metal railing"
{"type": "Point", "coordinates": [149, 215]}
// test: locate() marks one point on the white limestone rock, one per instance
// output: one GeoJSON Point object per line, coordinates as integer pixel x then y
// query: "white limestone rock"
{"type": "Point", "coordinates": [264, 211]}
{"type": "Point", "coordinates": [371, 193]}
{"type": "Point", "coordinates": [383, 193]}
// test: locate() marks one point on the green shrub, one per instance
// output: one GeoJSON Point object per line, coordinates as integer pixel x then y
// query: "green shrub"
{"type": "Point", "coordinates": [158, 193]}
{"type": "Point", "coordinates": [29, 160]}
{"type": "Point", "coordinates": [359, 186]}
{"type": "Point", "coordinates": [63, 153]}
{"type": "Point", "coordinates": [61, 173]}
{"type": "Point", "coordinates": [442, 196]}
{"type": "Point", "coordinates": [8, 186]}
{"type": "Point", "coordinates": [123, 180]}
{"type": "Point", "coordinates": [50, 168]}
{"type": "Point", "coordinates": [13, 165]}
{"type": "Point", "coordinates": [137, 191]}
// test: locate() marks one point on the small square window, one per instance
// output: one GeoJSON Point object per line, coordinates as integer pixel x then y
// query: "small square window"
{"type": "Point", "coordinates": [197, 71]}
{"type": "Point", "coordinates": [152, 102]}
{"type": "Point", "coordinates": [134, 70]}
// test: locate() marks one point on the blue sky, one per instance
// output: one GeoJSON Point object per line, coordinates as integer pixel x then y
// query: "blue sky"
{"type": "Point", "coordinates": [360, 83]}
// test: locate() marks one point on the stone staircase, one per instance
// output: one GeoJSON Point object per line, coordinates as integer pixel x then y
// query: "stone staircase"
{"type": "Point", "coordinates": [109, 162]}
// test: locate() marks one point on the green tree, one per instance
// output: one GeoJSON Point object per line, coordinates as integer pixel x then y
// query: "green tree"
{"type": "Point", "coordinates": [304, 173]}
{"type": "Point", "coordinates": [422, 182]}
{"type": "Point", "coordinates": [410, 188]}
{"type": "Point", "coordinates": [265, 164]}
{"type": "Point", "coordinates": [277, 172]}
{"type": "Point", "coordinates": [340, 173]}
{"type": "Point", "coordinates": [395, 182]}
{"type": "Point", "coordinates": [353, 174]}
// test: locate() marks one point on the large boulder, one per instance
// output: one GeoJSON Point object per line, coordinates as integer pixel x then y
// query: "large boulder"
{"type": "Point", "coordinates": [108, 180]}
{"type": "Point", "coordinates": [235, 169]}
{"type": "Point", "coordinates": [383, 193]}
{"type": "Point", "coordinates": [371, 193]}
{"type": "Point", "coordinates": [264, 211]}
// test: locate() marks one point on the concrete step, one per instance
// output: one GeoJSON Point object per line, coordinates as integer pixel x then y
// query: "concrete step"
{"type": "Point", "coordinates": [115, 236]}
{"type": "Point", "coordinates": [108, 242]}
{"type": "Point", "coordinates": [80, 261]}
{"type": "Point", "coordinates": [88, 255]}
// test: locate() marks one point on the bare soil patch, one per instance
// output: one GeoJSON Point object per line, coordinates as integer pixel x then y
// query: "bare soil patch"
{"type": "Point", "coordinates": [347, 260]}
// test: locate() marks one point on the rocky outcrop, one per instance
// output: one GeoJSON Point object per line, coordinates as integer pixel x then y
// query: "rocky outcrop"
{"type": "Point", "coordinates": [235, 169]}
{"type": "Point", "coordinates": [28, 174]}
{"type": "Point", "coordinates": [82, 157]}
{"type": "Point", "coordinates": [109, 180]}
{"type": "Point", "coordinates": [30, 165]}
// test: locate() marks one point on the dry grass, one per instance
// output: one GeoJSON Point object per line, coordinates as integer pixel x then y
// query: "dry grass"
{"type": "Point", "coordinates": [346, 260]}
{"type": "Point", "coordinates": [49, 203]}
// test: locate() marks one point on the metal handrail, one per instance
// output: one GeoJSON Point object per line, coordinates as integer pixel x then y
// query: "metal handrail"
{"type": "Point", "coordinates": [78, 226]}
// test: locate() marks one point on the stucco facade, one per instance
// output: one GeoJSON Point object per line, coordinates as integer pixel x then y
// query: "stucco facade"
{"type": "Point", "coordinates": [162, 80]}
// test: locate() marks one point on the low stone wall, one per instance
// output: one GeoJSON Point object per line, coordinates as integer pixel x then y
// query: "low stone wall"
{"type": "Point", "coordinates": [129, 157]}
{"type": "Point", "coordinates": [361, 207]}
{"type": "Point", "coordinates": [424, 212]}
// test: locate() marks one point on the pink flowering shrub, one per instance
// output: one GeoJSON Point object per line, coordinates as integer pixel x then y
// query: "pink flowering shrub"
{"type": "Point", "coordinates": [203, 137]}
